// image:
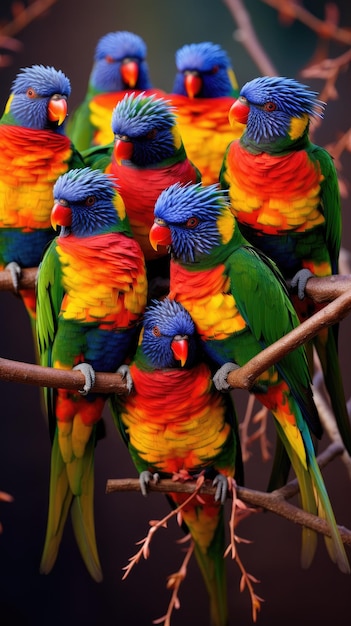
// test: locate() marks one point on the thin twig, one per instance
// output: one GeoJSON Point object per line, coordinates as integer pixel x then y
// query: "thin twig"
{"type": "Point", "coordinates": [25, 17]}
{"type": "Point", "coordinates": [274, 502]}
{"type": "Point", "coordinates": [246, 35]}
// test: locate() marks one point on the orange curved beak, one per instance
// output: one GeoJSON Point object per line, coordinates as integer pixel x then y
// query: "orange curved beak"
{"type": "Point", "coordinates": [239, 112]}
{"type": "Point", "coordinates": [193, 84]}
{"type": "Point", "coordinates": [130, 73]}
{"type": "Point", "coordinates": [61, 215]}
{"type": "Point", "coordinates": [179, 348]}
{"type": "Point", "coordinates": [160, 235]}
{"type": "Point", "coordinates": [57, 110]}
{"type": "Point", "coordinates": [123, 150]}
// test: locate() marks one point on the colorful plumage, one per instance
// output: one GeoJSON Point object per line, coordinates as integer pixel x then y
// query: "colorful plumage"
{"type": "Point", "coordinates": [175, 421]}
{"type": "Point", "coordinates": [204, 89]}
{"type": "Point", "coordinates": [239, 303]}
{"type": "Point", "coordinates": [284, 193]}
{"type": "Point", "coordinates": [91, 294]}
{"type": "Point", "coordinates": [119, 67]}
{"type": "Point", "coordinates": [34, 152]}
{"type": "Point", "coordinates": [147, 156]}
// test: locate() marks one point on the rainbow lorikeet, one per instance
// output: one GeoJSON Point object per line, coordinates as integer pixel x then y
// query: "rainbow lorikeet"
{"type": "Point", "coordinates": [119, 67]}
{"type": "Point", "coordinates": [34, 152]}
{"type": "Point", "coordinates": [91, 294]}
{"type": "Point", "coordinates": [240, 305]}
{"type": "Point", "coordinates": [204, 89]}
{"type": "Point", "coordinates": [147, 156]}
{"type": "Point", "coordinates": [284, 193]}
{"type": "Point", "coordinates": [175, 421]}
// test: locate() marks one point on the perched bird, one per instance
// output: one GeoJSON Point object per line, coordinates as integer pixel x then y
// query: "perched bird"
{"type": "Point", "coordinates": [119, 67]}
{"type": "Point", "coordinates": [146, 157]}
{"type": "Point", "coordinates": [204, 89]}
{"type": "Point", "coordinates": [239, 303]}
{"type": "Point", "coordinates": [34, 152]}
{"type": "Point", "coordinates": [284, 192]}
{"type": "Point", "coordinates": [175, 421]}
{"type": "Point", "coordinates": [91, 294]}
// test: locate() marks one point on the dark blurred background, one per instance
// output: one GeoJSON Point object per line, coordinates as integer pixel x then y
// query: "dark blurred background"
{"type": "Point", "coordinates": [66, 36]}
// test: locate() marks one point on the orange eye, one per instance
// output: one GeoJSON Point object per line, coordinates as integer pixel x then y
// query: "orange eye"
{"type": "Point", "coordinates": [156, 331]}
{"type": "Point", "coordinates": [90, 201]}
{"type": "Point", "coordinates": [270, 106]}
{"type": "Point", "coordinates": [215, 69]}
{"type": "Point", "coordinates": [31, 93]}
{"type": "Point", "coordinates": [192, 222]}
{"type": "Point", "coordinates": [109, 59]}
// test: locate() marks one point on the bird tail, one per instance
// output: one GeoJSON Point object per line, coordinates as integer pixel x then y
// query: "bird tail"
{"type": "Point", "coordinates": [315, 500]}
{"type": "Point", "coordinates": [326, 347]}
{"type": "Point", "coordinates": [81, 503]}
{"type": "Point", "coordinates": [82, 515]}
{"type": "Point", "coordinates": [60, 498]}
{"type": "Point", "coordinates": [206, 525]}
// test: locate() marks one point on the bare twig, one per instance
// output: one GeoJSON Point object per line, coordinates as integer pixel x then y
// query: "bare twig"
{"type": "Point", "coordinates": [323, 28]}
{"type": "Point", "coordinates": [246, 35]}
{"type": "Point", "coordinates": [25, 17]}
{"type": "Point", "coordinates": [274, 502]}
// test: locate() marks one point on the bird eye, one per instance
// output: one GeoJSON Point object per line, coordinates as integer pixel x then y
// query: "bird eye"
{"type": "Point", "coordinates": [152, 134]}
{"type": "Point", "coordinates": [270, 106]}
{"type": "Point", "coordinates": [109, 59]}
{"type": "Point", "coordinates": [90, 201]}
{"type": "Point", "coordinates": [31, 93]}
{"type": "Point", "coordinates": [192, 222]}
{"type": "Point", "coordinates": [215, 69]}
{"type": "Point", "coordinates": [156, 331]}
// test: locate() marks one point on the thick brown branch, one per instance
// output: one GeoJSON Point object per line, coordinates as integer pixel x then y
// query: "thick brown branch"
{"type": "Point", "coordinates": [274, 502]}
{"type": "Point", "coordinates": [26, 281]}
{"type": "Point", "coordinates": [27, 373]}
{"type": "Point", "coordinates": [245, 376]}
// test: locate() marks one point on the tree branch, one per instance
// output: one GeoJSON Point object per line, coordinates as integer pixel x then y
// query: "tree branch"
{"type": "Point", "coordinates": [274, 501]}
{"type": "Point", "coordinates": [26, 280]}
{"type": "Point", "coordinates": [321, 289]}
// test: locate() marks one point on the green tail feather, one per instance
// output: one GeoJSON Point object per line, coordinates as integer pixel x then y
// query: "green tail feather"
{"type": "Point", "coordinates": [60, 498]}
{"type": "Point", "coordinates": [82, 514]}
{"type": "Point", "coordinates": [213, 570]}
{"type": "Point", "coordinates": [81, 503]}
{"type": "Point", "coordinates": [315, 500]}
{"type": "Point", "coordinates": [329, 360]}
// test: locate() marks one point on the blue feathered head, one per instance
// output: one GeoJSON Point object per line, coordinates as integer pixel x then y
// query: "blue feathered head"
{"type": "Point", "coordinates": [166, 325]}
{"type": "Point", "coordinates": [113, 51]}
{"type": "Point", "coordinates": [210, 63]}
{"type": "Point", "coordinates": [193, 214]}
{"type": "Point", "coordinates": [274, 102]}
{"type": "Point", "coordinates": [32, 90]}
{"type": "Point", "coordinates": [86, 199]}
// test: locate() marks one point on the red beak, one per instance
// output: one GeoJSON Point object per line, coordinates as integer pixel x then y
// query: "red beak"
{"type": "Point", "coordinates": [239, 112]}
{"type": "Point", "coordinates": [123, 150]}
{"type": "Point", "coordinates": [130, 73]}
{"type": "Point", "coordinates": [193, 84]}
{"type": "Point", "coordinates": [61, 215]}
{"type": "Point", "coordinates": [57, 110]}
{"type": "Point", "coordinates": [179, 347]}
{"type": "Point", "coordinates": [159, 235]}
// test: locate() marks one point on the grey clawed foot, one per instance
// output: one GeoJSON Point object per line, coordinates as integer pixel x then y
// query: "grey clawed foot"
{"type": "Point", "coordinates": [221, 483]}
{"type": "Point", "coordinates": [145, 478]}
{"type": "Point", "coordinates": [124, 371]}
{"type": "Point", "coordinates": [220, 377]}
{"type": "Point", "coordinates": [299, 281]}
{"type": "Point", "coordinates": [89, 375]}
{"type": "Point", "coordinates": [15, 272]}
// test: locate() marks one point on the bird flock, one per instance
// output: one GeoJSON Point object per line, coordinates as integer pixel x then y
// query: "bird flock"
{"type": "Point", "coordinates": [174, 234]}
